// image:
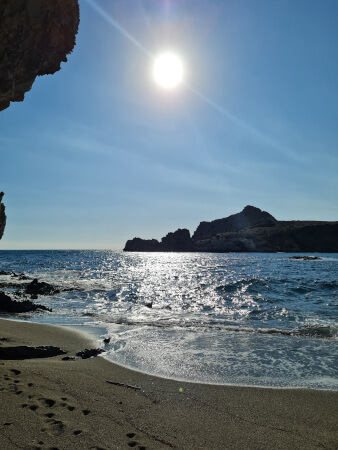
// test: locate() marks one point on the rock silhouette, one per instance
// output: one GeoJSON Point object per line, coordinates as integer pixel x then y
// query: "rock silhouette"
{"type": "Point", "coordinates": [2, 216]}
{"type": "Point", "coordinates": [35, 37]}
{"type": "Point", "coordinates": [251, 230]}
{"type": "Point", "coordinates": [12, 306]}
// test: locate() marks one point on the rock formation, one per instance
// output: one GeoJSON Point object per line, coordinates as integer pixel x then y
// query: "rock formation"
{"type": "Point", "coordinates": [2, 216]}
{"type": "Point", "coordinates": [250, 217]}
{"type": "Point", "coordinates": [179, 241]}
{"type": "Point", "coordinates": [9, 305]}
{"type": "Point", "coordinates": [251, 230]}
{"type": "Point", "coordinates": [35, 37]}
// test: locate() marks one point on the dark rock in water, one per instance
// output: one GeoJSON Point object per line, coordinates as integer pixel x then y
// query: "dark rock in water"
{"type": "Point", "coordinates": [142, 245]}
{"type": "Point", "coordinates": [12, 306]}
{"type": "Point", "coordinates": [24, 277]}
{"type": "Point", "coordinates": [2, 218]}
{"type": "Point", "coordinates": [24, 352]}
{"type": "Point", "coordinates": [89, 353]}
{"type": "Point", "coordinates": [35, 37]}
{"type": "Point", "coordinates": [251, 230]}
{"type": "Point", "coordinates": [3, 272]}
{"type": "Point", "coordinates": [250, 217]}
{"type": "Point", "coordinates": [179, 241]}
{"type": "Point", "coordinates": [149, 305]}
{"type": "Point", "coordinates": [42, 288]}
{"type": "Point", "coordinates": [106, 340]}
{"type": "Point", "coordinates": [306, 258]}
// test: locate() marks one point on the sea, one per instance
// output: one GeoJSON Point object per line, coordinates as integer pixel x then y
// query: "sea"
{"type": "Point", "coordinates": [253, 319]}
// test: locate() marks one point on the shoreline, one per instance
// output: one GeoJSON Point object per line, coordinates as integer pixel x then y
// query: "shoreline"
{"type": "Point", "coordinates": [94, 403]}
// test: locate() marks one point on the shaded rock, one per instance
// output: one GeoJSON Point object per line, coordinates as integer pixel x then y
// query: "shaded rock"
{"type": "Point", "coordinates": [40, 287]}
{"type": "Point", "coordinates": [12, 306]}
{"type": "Point", "coordinates": [24, 277]}
{"type": "Point", "coordinates": [24, 352]}
{"type": "Point", "coordinates": [306, 258]}
{"type": "Point", "coordinates": [250, 217]}
{"type": "Point", "coordinates": [179, 241]}
{"type": "Point", "coordinates": [142, 245]}
{"type": "Point", "coordinates": [89, 353]}
{"type": "Point", "coordinates": [2, 216]}
{"type": "Point", "coordinates": [35, 37]}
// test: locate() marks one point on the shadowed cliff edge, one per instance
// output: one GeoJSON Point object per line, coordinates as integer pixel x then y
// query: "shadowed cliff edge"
{"type": "Point", "coordinates": [251, 230]}
{"type": "Point", "coordinates": [2, 216]}
{"type": "Point", "coordinates": [35, 37]}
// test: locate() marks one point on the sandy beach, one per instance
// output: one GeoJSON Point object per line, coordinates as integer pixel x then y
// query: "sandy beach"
{"type": "Point", "coordinates": [95, 404]}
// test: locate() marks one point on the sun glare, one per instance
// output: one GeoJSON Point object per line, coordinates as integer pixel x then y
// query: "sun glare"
{"type": "Point", "coordinates": [168, 70]}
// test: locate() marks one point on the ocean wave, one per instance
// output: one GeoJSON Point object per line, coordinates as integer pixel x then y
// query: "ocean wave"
{"type": "Point", "coordinates": [318, 331]}
{"type": "Point", "coordinates": [238, 284]}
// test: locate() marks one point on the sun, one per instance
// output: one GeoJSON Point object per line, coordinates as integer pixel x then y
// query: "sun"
{"type": "Point", "coordinates": [168, 70]}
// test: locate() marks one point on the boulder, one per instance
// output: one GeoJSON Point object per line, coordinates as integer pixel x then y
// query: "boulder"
{"type": "Point", "coordinates": [40, 288]}
{"type": "Point", "coordinates": [25, 352]}
{"type": "Point", "coordinates": [89, 353]}
{"type": "Point", "coordinates": [12, 306]}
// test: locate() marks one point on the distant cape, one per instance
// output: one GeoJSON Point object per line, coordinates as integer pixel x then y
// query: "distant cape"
{"type": "Point", "coordinates": [251, 230]}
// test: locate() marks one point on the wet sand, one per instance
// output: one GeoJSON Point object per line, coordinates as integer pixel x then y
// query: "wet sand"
{"type": "Point", "coordinates": [95, 404]}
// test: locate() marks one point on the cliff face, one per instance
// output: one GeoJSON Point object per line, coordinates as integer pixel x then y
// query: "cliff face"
{"type": "Point", "coordinates": [250, 217]}
{"type": "Point", "coordinates": [251, 230]}
{"type": "Point", "coordinates": [2, 216]}
{"type": "Point", "coordinates": [35, 37]}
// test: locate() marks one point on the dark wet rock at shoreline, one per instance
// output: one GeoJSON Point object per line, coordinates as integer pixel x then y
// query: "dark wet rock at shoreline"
{"type": "Point", "coordinates": [251, 230]}
{"type": "Point", "coordinates": [84, 354]}
{"type": "Point", "coordinates": [35, 37]}
{"type": "Point", "coordinates": [25, 352]}
{"type": "Point", "coordinates": [89, 353]}
{"type": "Point", "coordinates": [40, 288]}
{"type": "Point", "coordinates": [8, 305]}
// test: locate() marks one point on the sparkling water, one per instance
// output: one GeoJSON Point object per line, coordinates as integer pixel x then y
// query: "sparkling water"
{"type": "Point", "coordinates": [239, 318]}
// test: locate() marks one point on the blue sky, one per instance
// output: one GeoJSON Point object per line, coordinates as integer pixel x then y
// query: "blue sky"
{"type": "Point", "coordinates": [98, 153]}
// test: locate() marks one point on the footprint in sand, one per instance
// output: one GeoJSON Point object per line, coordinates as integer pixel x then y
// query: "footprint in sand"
{"type": "Point", "coordinates": [47, 402]}
{"type": "Point", "coordinates": [132, 443]}
{"type": "Point", "coordinates": [54, 427]}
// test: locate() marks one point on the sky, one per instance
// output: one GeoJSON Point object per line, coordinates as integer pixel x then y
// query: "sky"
{"type": "Point", "coordinates": [99, 153]}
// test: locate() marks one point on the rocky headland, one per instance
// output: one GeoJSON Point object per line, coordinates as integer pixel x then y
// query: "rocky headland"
{"type": "Point", "coordinates": [251, 230]}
